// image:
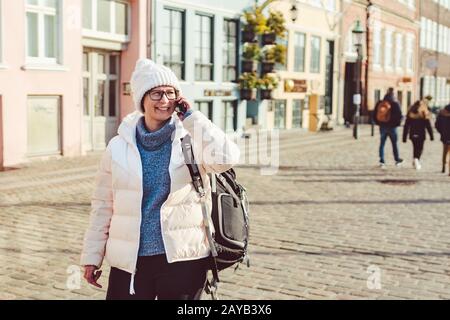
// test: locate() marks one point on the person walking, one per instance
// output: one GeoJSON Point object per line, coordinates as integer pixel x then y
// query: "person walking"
{"type": "Point", "coordinates": [443, 127]}
{"type": "Point", "coordinates": [417, 121]}
{"type": "Point", "coordinates": [388, 116]}
{"type": "Point", "coordinates": [146, 218]}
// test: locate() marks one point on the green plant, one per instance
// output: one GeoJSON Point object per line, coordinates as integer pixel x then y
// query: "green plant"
{"type": "Point", "coordinates": [255, 21]}
{"type": "Point", "coordinates": [268, 82]}
{"type": "Point", "coordinates": [275, 23]}
{"type": "Point", "coordinates": [248, 80]}
{"type": "Point", "coordinates": [274, 53]}
{"type": "Point", "coordinates": [251, 51]}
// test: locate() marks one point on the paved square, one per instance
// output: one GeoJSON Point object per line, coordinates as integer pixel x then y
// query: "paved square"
{"type": "Point", "coordinates": [328, 225]}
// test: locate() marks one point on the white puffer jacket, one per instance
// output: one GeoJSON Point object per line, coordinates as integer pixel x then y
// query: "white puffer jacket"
{"type": "Point", "coordinates": [115, 220]}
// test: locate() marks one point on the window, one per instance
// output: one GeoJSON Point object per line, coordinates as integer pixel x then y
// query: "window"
{"type": "Point", "coordinates": [43, 125]}
{"type": "Point", "coordinates": [297, 112]}
{"type": "Point", "coordinates": [399, 51]}
{"type": "Point", "coordinates": [204, 107]}
{"type": "Point", "coordinates": [228, 122]}
{"type": "Point", "coordinates": [280, 113]}
{"type": "Point", "coordinates": [377, 95]}
{"type": "Point", "coordinates": [283, 42]}
{"type": "Point", "coordinates": [203, 48]}
{"type": "Point", "coordinates": [229, 71]}
{"type": "Point", "coordinates": [400, 97]}
{"type": "Point", "coordinates": [42, 30]}
{"type": "Point", "coordinates": [377, 45]}
{"type": "Point", "coordinates": [423, 32]}
{"type": "Point", "coordinates": [410, 53]}
{"type": "Point", "coordinates": [434, 35]}
{"type": "Point", "coordinates": [106, 16]}
{"type": "Point", "coordinates": [429, 38]}
{"type": "Point", "coordinates": [299, 52]}
{"type": "Point", "coordinates": [388, 49]}
{"type": "Point", "coordinates": [440, 37]}
{"type": "Point", "coordinates": [408, 99]}
{"type": "Point", "coordinates": [87, 14]}
{"type": "Point", "coordinates": [174, 41]}
{"type": "Point", "coordinates": [1, 33]}
{"type": "Point", "coordinates": [315, 54]}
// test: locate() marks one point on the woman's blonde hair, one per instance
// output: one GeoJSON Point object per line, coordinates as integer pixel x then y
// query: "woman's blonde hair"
{"type": "Point", "coordinates": [419, 110]}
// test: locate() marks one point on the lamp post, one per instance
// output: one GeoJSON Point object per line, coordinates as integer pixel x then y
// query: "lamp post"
{"type": "Point", "coordinates": [293, 11]}
{"type": "Point", "coordinates": [357, 34]}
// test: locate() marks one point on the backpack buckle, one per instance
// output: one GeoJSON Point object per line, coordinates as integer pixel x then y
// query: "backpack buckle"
{"type": "Point", "coordinates": [211, 288]}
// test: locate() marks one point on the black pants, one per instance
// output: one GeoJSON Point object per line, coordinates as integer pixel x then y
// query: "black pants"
{"type": "Point", "coordinates": [156, 278]}
{"type": "Point", "coordinates": [417, 147]}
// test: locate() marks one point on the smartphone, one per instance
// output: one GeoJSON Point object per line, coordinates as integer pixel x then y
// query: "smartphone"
{"type": "Point", "coordinates": [180, 107]}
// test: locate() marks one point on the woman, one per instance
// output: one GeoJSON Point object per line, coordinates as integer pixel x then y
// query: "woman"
{"type": "Point", "coordinates": [146, 217]}
{"type": "Point", "coordinates": [443, 127]}
{"type": "Point", "coordinates": [417, 120]}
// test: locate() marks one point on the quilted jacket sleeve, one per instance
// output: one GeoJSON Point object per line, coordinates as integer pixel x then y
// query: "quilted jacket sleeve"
{"type": "Point", "coordinates": [101, 212]}
{"type": "Point", "coordinates": [212, 148]}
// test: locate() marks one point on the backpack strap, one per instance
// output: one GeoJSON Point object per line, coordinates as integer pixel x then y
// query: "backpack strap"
{"type": "Point", "coordinates": [186, 146]}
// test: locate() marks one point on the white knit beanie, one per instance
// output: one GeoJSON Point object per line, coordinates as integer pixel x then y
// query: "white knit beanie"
{"type": "Point", "coordinates": [148, 75]}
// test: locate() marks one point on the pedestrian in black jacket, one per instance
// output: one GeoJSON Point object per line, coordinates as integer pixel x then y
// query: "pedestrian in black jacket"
{"type": "Point", "coordinates": [417, 121]}
{"type": "Point", "coordinates": [443, 126]}
{"type": "Point", "coordinates": [388, 122]}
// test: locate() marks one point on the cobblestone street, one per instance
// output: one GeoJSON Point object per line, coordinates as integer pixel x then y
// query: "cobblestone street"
{"type": "Point", "coordinates": [329, 225]}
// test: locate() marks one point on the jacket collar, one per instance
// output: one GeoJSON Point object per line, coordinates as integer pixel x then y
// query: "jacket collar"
{"type": "Point", "coordinates": [127, 129]}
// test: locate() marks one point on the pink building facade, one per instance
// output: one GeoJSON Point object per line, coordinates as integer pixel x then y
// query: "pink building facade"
{"type": "Point", "coordinates": [64, 69]}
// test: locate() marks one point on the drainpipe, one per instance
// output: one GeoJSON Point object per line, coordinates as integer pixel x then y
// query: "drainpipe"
{"type": "Point", "coordinates": [149, 28]}
{"type": "Point", "coordinates": [340, 61]}
{"type": "Point", "coordinates": [366, 69]}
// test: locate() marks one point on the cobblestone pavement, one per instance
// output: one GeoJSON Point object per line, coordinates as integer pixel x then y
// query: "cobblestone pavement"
{"type": "Point", "coordinates": [328, 225]}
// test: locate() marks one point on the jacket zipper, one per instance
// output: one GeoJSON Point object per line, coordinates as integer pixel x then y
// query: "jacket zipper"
{"type": "Point", "coordinates": [132, 291]}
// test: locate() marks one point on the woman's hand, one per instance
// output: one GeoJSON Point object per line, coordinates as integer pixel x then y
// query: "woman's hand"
{"type": "Point", "coordinates": [185, 106]}
{"type": "Point", "coordinates": [91, 274]}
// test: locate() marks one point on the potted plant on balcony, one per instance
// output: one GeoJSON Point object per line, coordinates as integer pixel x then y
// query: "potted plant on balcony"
{"type": "Point", "coordinates": [275, 27]}
{"type": "Point", "coordinates": [272, 54]}
{"type": "Point", "coordinates": [250, 57]}
{"type": "Point", "coordinates": [266, 85]}
{"type": "Point", "coordinates": [255, 23]}
{"type": "Point", "coordinates": [248, 83]}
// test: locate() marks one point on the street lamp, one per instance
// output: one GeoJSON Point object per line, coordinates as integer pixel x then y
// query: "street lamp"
{"type": "Point", "coordinates": [357, 33]}
{"type": "Point", "coordinates": [293, 11]}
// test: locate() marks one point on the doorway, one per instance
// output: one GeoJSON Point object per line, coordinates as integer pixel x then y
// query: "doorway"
{"type": "Point", "coordinates": [100, 98]}
{"type": "Point", "coordinates": [349, 90]}
{"type": "Point", "coordinates": [1, 134]}
{"type": "Point", "coordinates": [329, 64]}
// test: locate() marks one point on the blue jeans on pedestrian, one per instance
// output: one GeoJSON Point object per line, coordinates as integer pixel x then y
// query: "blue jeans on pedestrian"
{"type": "Point", "coordinates": [386, 132]}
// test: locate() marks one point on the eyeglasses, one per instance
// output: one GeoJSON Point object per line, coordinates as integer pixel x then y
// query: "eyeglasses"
{"type": "Point", "coordinates": [158, 94]}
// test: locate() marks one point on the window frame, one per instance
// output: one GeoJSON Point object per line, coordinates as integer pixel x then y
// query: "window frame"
{"type": "Point", "coordinates": [112, 36]}
{"type": "Point", "coordinates": [297, 36]}
{"type": "Point", "coordinates": [210, 114]}
{"type": "Point", "coordinates": [182, 62]}
{"type": "Point", "coordinates": [211, 39]}
{"type": "Point", "coordinates": [377, 45]}
{"type": "Point", "coordinates": [312, 60]}
{"type": "Point", "coordinates": [225, 109]}
{"type": "Point", "coordinates": [41, 12]}
{"type": "Point", "coordinates": [227, 67]}
{"type": "Point", "coordinates": [409, 49]}
{"type": "Point", "coordinates": [388, 49]}
{"type": "Point", "coordinates": [298, 124]}
{"type": "Point", "coordinates": [399, 51]}
{"type": "Point", "coordinates": [1, 32]}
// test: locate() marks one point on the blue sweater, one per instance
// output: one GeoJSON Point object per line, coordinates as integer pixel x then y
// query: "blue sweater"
{"type": "Point", "coordinates": [155, 150]}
